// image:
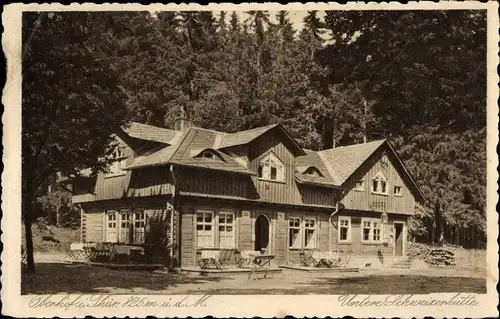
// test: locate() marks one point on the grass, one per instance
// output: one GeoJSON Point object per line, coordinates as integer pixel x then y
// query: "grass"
{"type": "Point", "coordinates": [56, 278]}
{"type": "Point", "coordinates": [40, 244]}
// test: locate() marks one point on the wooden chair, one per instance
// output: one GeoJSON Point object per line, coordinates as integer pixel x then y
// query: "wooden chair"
{"type": "Point", "coordinates": [307, 259]}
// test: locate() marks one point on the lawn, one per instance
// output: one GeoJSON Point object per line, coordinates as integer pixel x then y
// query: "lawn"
{"type": "Point", "coordinates": [53, 278]}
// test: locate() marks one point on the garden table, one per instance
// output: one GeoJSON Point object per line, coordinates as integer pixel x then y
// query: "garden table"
{"type": "Point", "coordinates": [261, 261]}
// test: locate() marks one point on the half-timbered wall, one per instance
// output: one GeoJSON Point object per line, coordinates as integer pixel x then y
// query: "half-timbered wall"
{"type": "Point", "coordinates": [367, 200]}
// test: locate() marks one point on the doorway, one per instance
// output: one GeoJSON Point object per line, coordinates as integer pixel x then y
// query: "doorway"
{"type": "Point", "coordinates": [262, 234]}
{"type": "Point", "coordinates": [399, 239]}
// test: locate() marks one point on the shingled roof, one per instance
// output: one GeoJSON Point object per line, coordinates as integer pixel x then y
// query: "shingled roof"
{"type": "Point", "coordinates": [185, 152]}
{"type": "Point", "coordinates": [151, 133]}
{"type": "Point", "coordinates": [243, 137]}
{"type": "Point", "coordinates": [341, 162]}
{"type": "Point", "coordinates": [346, 160]}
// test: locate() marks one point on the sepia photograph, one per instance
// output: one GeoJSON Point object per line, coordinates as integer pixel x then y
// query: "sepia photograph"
{"type": "Point", "coordinates": [254, 152]}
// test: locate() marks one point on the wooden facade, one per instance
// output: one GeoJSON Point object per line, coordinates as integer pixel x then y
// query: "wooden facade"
{"type": "Point", "coordinates": [366, 200]}
{"type": "Point", "coordinates": [236, 205]}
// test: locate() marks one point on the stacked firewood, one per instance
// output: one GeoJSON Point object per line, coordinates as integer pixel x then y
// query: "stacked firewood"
{"type": "Point", "coordinates": [418, 251]}
{"type": "Point", "coordinates": [433, 257]}
{"type": "Point", "coordinates": [441, 257]}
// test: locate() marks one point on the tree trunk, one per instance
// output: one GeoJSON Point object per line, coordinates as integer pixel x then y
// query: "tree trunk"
{"type": "Point", "coordinates": [29, 246]}
{"type": "Point", "coordinates": [328, 129]}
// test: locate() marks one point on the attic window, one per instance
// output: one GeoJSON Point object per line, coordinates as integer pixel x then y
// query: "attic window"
{"type": "Point", "coordinates": [271, 168]}
{"type": "Point", "coordinates": [209, 155]}
{"type": "Point", "coordinates": [379, 184]}
{"type": "Point", "coordinates": [116, 168]}
{"type": "Point", "coordinates": [312, 171]}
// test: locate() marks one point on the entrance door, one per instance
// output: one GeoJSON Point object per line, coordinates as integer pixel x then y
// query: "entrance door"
{"type": "Point", "coordinates": [262, 234]}
{"type": "Point", "coordinates": [398, 229]}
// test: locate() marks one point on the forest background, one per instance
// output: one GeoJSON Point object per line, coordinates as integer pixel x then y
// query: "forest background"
{"type": "Point", "coordinates": [416, 78]}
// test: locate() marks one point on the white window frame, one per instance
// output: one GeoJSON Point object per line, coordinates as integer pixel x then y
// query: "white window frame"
{"type": "Point", "coordinates": [210, 234]}
{"type": "Point", "coordinates": [314, 230]}
{"type": "Point", "coordinates": [378, 179]}
{"type": "Point", "coordinates": [224, 235]}
{"type": "Point", "coordinates": [349, 229]}
{"type": "Point", "coordinates": [139, 223]}
{"type": "Point", "coordinates": [397, 194]}
{"type": "Point", "coordinates": [301, 228]}
{"type": "Point", "coordinates": [359, 188]}
{"type": "Point", "coordinates": [372, 228]}
{"type": "Point", "coordinates": [267, 163]}
{"type": "Point", "coordinates": [297, 244]}
{"type": "Point", "coordinates": [116, 168]}
{"type": "Point", "coordinates": [123, 231]}
{"type": "Point", "coordinates": [112, 224]}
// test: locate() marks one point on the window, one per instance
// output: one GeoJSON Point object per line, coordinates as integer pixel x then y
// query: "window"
{"type": "Point", "coordinates": [271, 168]}
{"type": "Point", "coordinates": [139, 226]}
{"type": "Point", "coordinates": [371, 229]}
{"type": "Point", "coordinates": [310, 233]}
{"type": "Point", "coordinates": [204, 229]}
{"type": "Point", "coordinates": [120, 161]}
{"type": "Point", "coordinates": [294, 232]}
{"type": "Point", "coordinates": [302, 232]}
{"type": "Point", "coordinates": [125, 227]}
{"type": "Point", "coordinates": [398, 191]}
{"type": "Point", "coordinates": [210, 155]}
{"type": "Point", "coordinates": [226, 230]}
{"type": "Point", "coordinates": [379, 185]}
{"type": "Point", "coordinates": [312, 171]}
{"type": "Point", "coordinates": [215, 229]}
{"type": "Point", "coordinates": [359, 185]}
{"type": "Point", "coordinates": [344, 229]}
{"type": "Point", "coordinates": [112, 227]}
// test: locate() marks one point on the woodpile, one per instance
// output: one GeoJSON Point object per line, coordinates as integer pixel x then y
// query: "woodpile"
{"type": "Point", "coordinates": [433, 257]}
{"type": "Point", "coordinates": [441, 257]}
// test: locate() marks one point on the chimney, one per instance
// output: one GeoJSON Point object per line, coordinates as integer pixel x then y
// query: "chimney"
{"type": "Point", "coordinates": [182, 124]}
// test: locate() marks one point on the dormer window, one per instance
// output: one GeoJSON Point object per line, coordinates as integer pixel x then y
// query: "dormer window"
{"type": "Point", "coordinates": [116, 168]}
{"type": "Point", "coordinates": [379, 184]}
{"type": "Point", "coordinates": [209, 155]}
{"type": "Point", "coordinates": [312, 171]}
{"type": "Point", "coordinates": [271, 168]}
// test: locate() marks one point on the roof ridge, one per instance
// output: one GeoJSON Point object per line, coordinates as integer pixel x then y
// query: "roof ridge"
{"type": "Point", "coordinates": [255, 128]}
{"type": "Point", "coordinates": [352, 145]}
{"type": "Point", "coordinates": [209, 130]}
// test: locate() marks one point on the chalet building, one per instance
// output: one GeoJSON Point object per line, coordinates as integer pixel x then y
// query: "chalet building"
{"type": "Point", "coordinates": [191, 188]}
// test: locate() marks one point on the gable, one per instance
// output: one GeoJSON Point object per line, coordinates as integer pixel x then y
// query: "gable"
{"type": "Point", "coordinates": [385, 165]}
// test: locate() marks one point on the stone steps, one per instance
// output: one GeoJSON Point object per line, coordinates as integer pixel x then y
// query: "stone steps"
{"type": "Point", "coordinates": [402, 264]}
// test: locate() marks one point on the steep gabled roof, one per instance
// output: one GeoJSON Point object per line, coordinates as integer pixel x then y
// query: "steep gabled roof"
{"type": "Point", "coordinates": [346, 160]}
{"type": "Point", "coordinates": [192, 143]}
{"type": "Point", "coordinates": [151, 133]}
{"type": "Point", "coordinates": [342, 162]}
{"type": "Point", "coordinates": [245, 137]}
{"type": "Point", "coordinates": [313, 159]}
